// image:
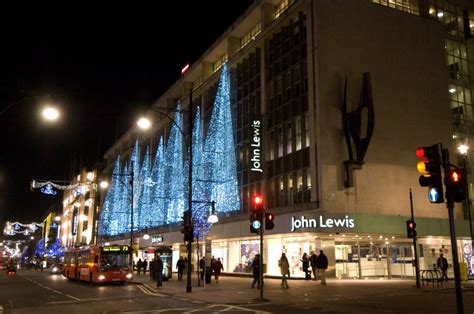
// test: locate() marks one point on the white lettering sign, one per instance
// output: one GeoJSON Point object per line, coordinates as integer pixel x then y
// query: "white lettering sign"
{"type": "Point", "coordinates": [321, 222]}
{"type": "Point", "coordinates": [156, 239]}
{"type": "Point", "coordinates": [255, 146]}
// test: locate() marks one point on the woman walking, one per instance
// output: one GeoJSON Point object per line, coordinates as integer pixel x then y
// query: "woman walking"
{"type": "Point", "coordinates": [217, 267]}
{"type": "Point", "coordinates": [305, 260]}
{"type": "Point", "coordinates": [284, 269]}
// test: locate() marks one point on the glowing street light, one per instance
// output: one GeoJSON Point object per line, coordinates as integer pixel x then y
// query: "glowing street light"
{"type": "Point", "coordinates": [50, 113]}
{"type": "Point", "coordinates": [104, 184]}
{"type": "Point", "coordinates": [144, 123]}
{"type": "Point", "coordinates": [463, 149]}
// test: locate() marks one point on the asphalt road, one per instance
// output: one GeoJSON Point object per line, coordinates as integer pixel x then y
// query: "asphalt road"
{"type": "Point", "coordinates": [39, 292]}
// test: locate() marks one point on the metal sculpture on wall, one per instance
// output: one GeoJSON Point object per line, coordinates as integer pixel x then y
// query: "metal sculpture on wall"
{"type": "Point", "coordinates": [357, 139]}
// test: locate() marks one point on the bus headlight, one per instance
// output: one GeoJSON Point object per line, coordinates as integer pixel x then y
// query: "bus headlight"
{"type": "Point", "coordinates": [101, 277]}
{"type": "Point", "coordinates": [129, 276]}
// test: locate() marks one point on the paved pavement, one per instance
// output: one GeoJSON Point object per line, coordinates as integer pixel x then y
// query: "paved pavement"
{"type": "Point", "coordinates": [338, 296]}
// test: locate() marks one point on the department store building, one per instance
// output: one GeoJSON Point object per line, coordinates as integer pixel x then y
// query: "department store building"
{"type": "Point", "coordinates": [337, 156]}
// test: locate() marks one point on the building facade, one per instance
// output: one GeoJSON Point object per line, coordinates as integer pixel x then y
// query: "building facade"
{"type": "Point", "coordinates": [395, 73]}
{"type": "Point", "coordinates": [80, 207]}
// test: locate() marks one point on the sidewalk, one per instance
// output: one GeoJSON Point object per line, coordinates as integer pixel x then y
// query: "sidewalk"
{"type": "Point", "coordinates": [237, 290]}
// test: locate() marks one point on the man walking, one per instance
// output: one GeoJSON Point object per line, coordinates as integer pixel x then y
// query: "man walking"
{"type": "Point", "coordinates": [158, 266]}
{"type": "Point", "coordinates": [314, 260]}
{"type": "Point", "coordinates": [322, 264]}
{"type": "Point", "coordinates": [180, 266]}
{"type": "Point", "coordinates": [256, 271]}
{"type": "Point", "coordinates": [442, 265]}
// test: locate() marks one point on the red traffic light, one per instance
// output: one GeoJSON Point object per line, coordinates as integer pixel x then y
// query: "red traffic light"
{"type": "Point", "coordinates": [257, 200]}
{"type": "Point", "coordinates": [454, 176]}
{"type": "Point", "coordinates": [412, 225]}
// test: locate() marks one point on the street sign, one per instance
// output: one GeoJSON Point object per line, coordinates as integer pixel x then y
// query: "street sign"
{"type": "Point", "coordinates": [433, 194]}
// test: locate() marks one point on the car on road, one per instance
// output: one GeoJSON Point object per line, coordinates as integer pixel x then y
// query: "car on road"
{"type": "Point", "coordinates": [56, 269]}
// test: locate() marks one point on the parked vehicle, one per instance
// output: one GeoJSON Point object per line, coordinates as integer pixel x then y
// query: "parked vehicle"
{"type": "Point", "coordinates": [56, 269]}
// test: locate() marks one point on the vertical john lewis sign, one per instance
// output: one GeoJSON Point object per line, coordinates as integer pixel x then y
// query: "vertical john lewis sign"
{"type": "Point", "coordinates": [256, 146]}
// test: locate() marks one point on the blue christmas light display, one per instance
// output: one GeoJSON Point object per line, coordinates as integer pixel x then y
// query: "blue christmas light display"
{"type": "Point", "coordinates": [144, 208]}
{"type": "Point", "coordinates": [137, 184]}
{"type": "Point", "coordinates": [175, 190]}
{"type": "Point", "coordinates": [110, 200]}
{"type": "Point", "coordinates": [160, 191]}
{"type": "Point", "coordinates": [56, 248]}
{"type": "Point", "coordinates": [219, 151]}
{"type": "Point", "coordinates": [159, 214]}
{"type": "Point", "coordinates": [200, 197]}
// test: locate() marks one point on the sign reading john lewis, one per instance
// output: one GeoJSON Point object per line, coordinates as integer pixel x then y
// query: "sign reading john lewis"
{"type": "Point", "coordinates": [256, 152]}
{"type": "Point", "coordinates": [321, 223]}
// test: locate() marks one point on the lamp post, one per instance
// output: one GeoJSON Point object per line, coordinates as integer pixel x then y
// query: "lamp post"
{"type": "Point", "coordinates": [145, 123]}
{"type": "Point", "coordinates": [463, 150]}
{"type": "Point", "coordinates": [49, 112]}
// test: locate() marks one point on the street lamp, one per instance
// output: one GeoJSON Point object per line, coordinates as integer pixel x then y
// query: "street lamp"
{"type": "Point", "coordinates": [50, 113]}
{"type": "Point", "coordinates": [213, 217]}
{"type": "Point", "coordinates": [463, 150]}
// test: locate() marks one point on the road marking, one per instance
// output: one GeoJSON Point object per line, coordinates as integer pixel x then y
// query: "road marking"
{"type": "Point", "coordinates": [11, 303]}
{"type": "Point", "coordinates": [70, 296]}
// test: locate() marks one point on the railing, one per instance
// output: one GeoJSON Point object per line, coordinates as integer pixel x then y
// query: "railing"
{"type": "Point", "coordinates": [431, 275]}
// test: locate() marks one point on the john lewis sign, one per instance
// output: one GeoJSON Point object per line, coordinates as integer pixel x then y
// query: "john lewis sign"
{"type": "Point", "coordinates": [321, 222]}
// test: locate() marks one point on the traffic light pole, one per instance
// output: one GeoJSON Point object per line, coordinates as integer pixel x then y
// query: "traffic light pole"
{"type": "Point", "coordinates": [417, 266]}
{"type": "Point", "coordinates": [450, 207]}
{"type": "Point", "coordinates": [262, 228]}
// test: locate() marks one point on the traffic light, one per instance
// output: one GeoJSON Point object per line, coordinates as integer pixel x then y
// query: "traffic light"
{"type": "Point", "coordinates": [256, 217]}
{"type": "Point", "coordinates": [430, 168]}
{"type": "Point", "coordinates": [255, 223]}
{"type": "Point", "coordinates": [188, 228]}
{"type": "Point", "coordinates": [411, 226]}
{"type": "Point", "coordinates": [455, 181]}
{"type": "Point", "coordinates": [269, 225]}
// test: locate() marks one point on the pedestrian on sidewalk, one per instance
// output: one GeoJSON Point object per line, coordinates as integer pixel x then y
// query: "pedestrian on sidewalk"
{"type": "Point", "coordinates": [284, 269]}
{"type": "Point", "coordinates": [158, 269]}
{"type": "Point", "coordinates": [217, 269]}
{"type": "Point", "coordinates": [305, 260]}
{"type": "Point", "coordinates": [256, 271]}
{"type": "Point", "coordinates": [442, 265]}
{"type": "Point", "coordinates": [322, 264]}
{"type": "Point", "coordinates": [139, 266]}
{"type": "Point", "coordinates": [145, 265]}
{"type": "Point", "coordinates": [180, 266]}
{"type": "Point", "coordinates": [202, 266]}
{"type": "Point", "coordinates": [314, 260]}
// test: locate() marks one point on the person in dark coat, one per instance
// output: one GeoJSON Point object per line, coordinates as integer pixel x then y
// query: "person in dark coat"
{"type": "Point", "coordinates": [180, 266]}
{"type": "Point", "coordinates": [322, 264]}
{"type": "Point", "coordinates": [314, 260]}
{"type": "Point", "coordinates": [305, 260]}
{"type": "Point", "coordinates": [145, 265]}
{"type": "Point", "coordinates": [442, 265]}
{"type": "Point", "coordinates": [158, 268]}
{"type": "Point", "coordinates": [202, 266]}
{"type": "Point", "coordinates": [217, 267]}
{"type": "Point", "coordinates": [256, 271]}
{"type": "Point", "coordinates": [139, 266]}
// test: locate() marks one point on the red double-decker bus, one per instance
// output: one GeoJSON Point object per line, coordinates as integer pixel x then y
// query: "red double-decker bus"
{"type": "Point", "coordinates": [98, 264]}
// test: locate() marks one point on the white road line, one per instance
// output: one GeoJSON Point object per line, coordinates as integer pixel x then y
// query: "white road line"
{"type": "Point", "coordinates": [70, 296]}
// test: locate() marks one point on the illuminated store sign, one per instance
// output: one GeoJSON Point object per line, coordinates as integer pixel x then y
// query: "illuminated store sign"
{"type": "Point", "coordinates": [321, 223]}
{"type": "Point", "coordinates": [256, 146]}
{"type": "Point", "coordinates": [157, 238]}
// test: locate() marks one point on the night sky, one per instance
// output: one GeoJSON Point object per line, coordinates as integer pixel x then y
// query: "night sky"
{"type": "Point", "coordinates": [100, 65]}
